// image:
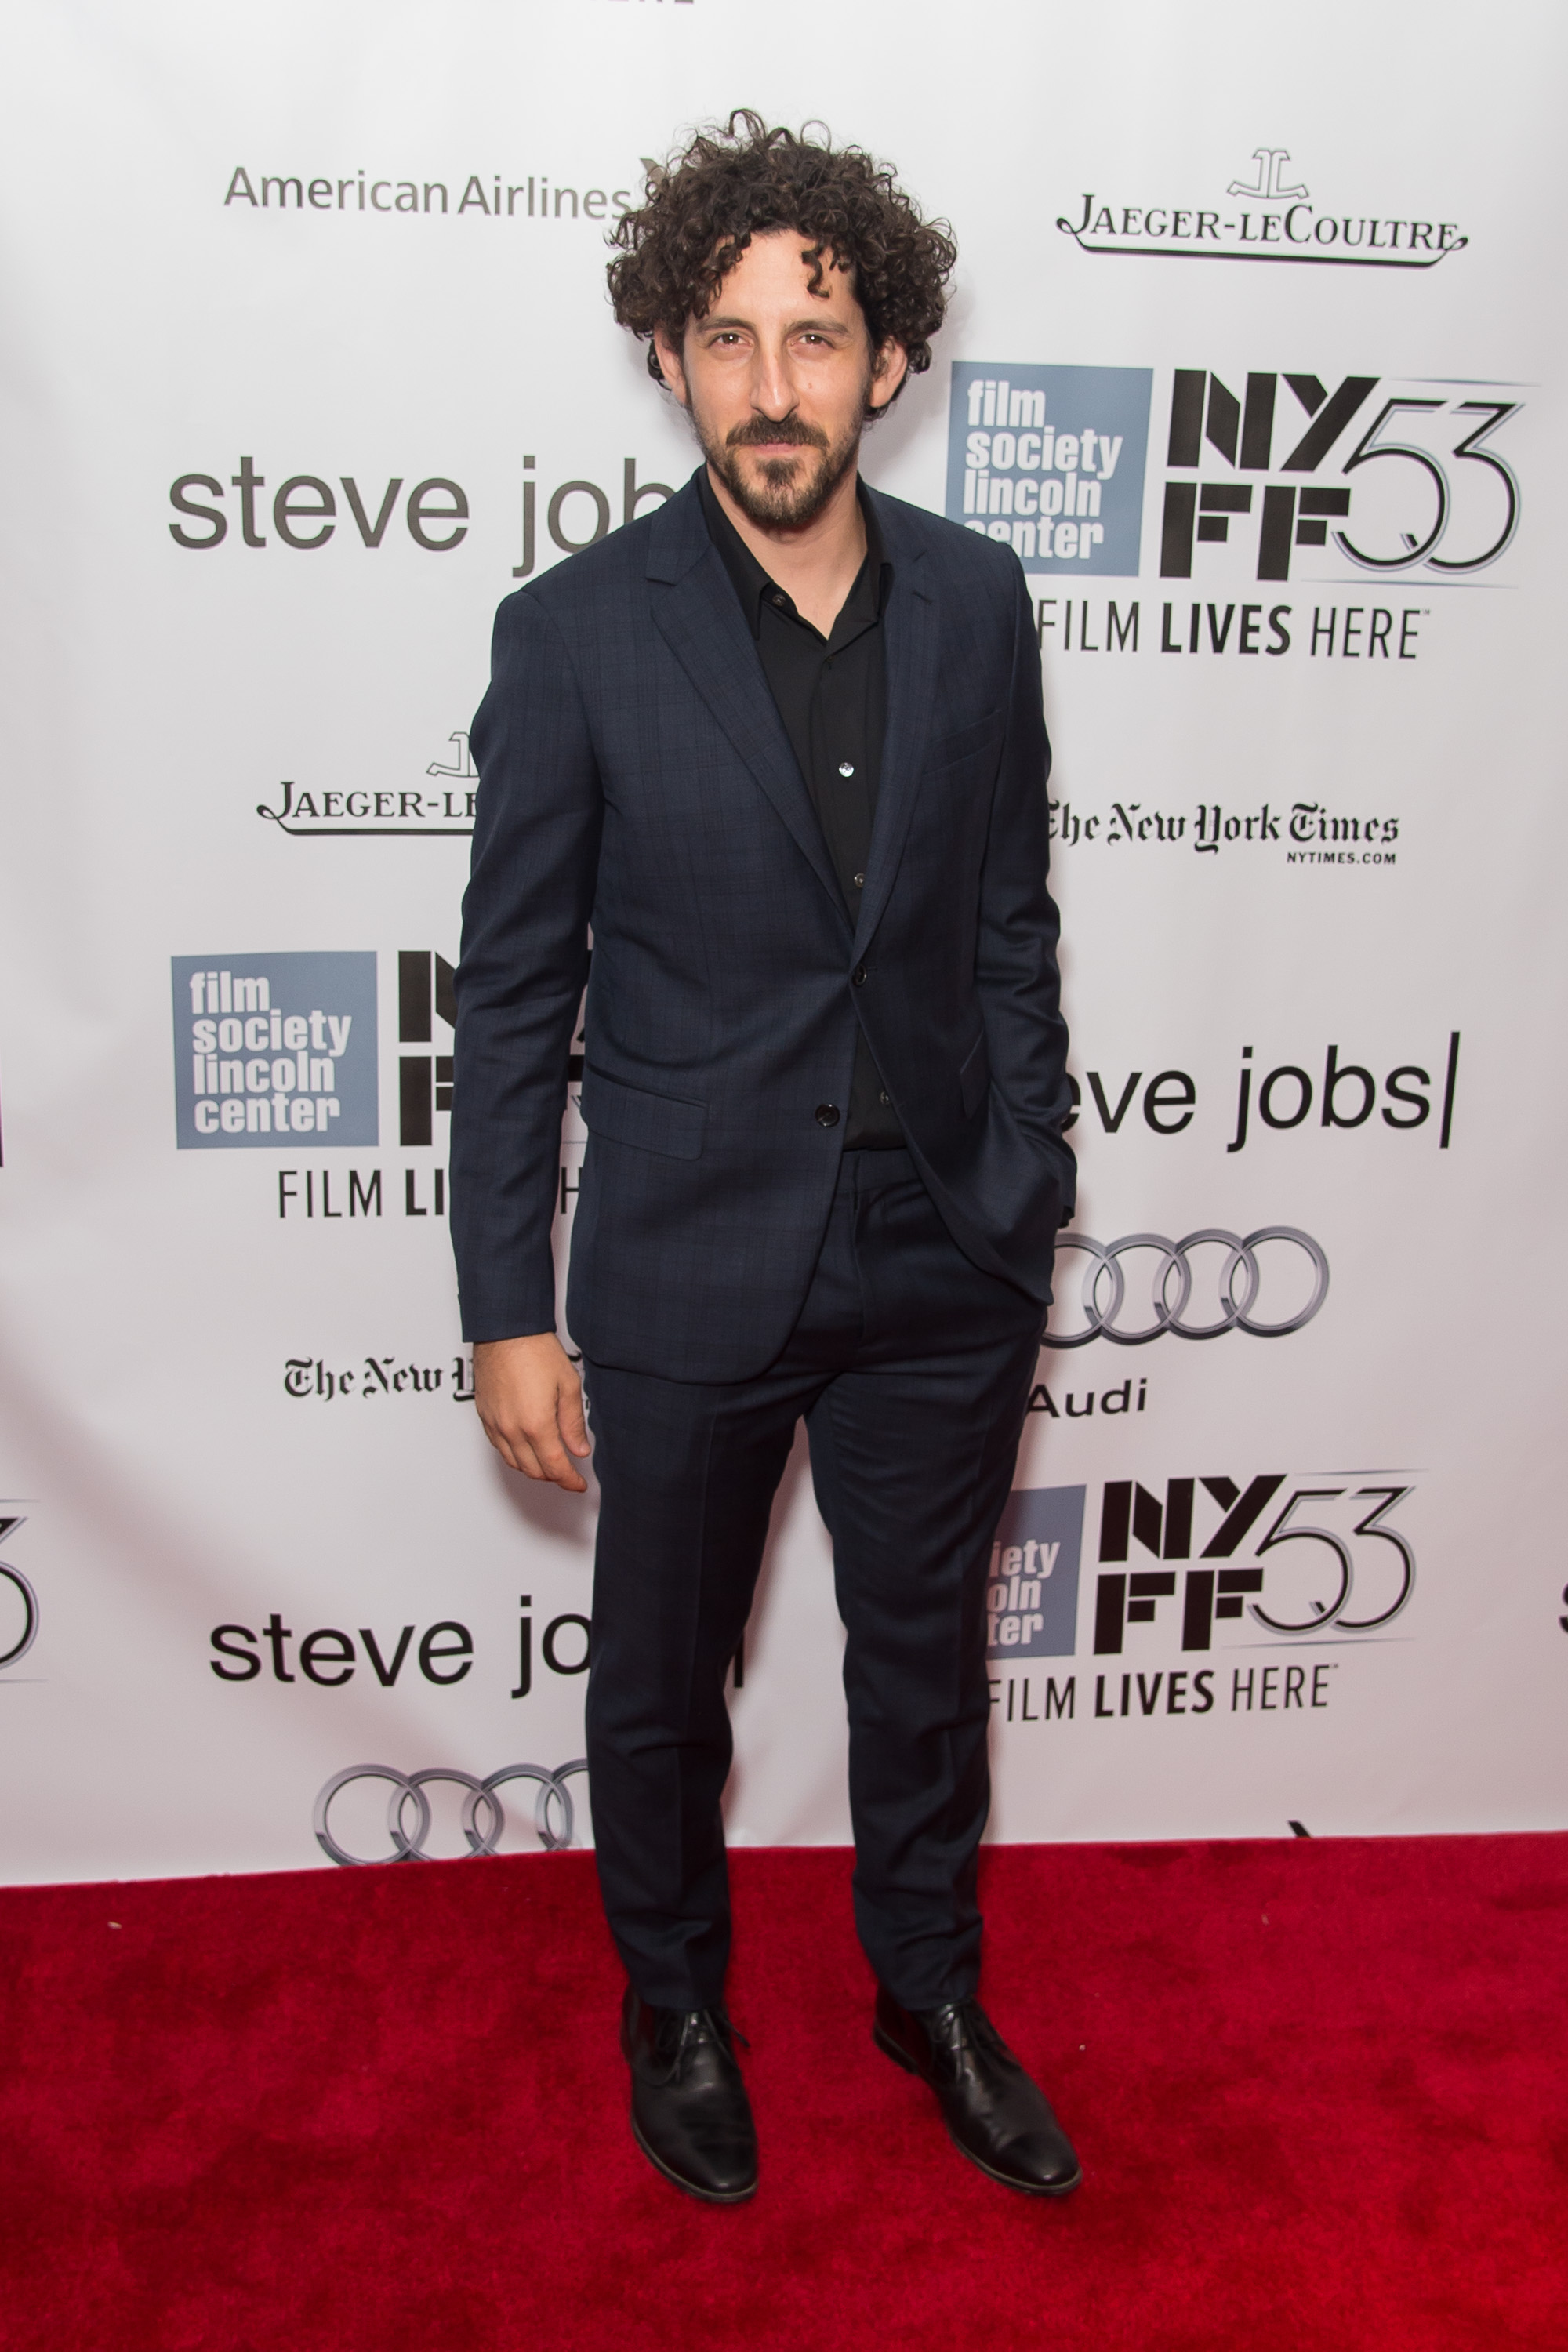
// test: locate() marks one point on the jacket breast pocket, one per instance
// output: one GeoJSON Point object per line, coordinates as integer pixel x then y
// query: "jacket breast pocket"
{"type": "Point", "coordinates": [623, 1114]}
{"type": "Point", "coordinates": [974, 1076]}
{"type": "Point", "coordinates": [948, 750]}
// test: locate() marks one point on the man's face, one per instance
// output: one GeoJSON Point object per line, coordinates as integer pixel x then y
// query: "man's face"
{"type": "Point", "coordinates": [779, 381]}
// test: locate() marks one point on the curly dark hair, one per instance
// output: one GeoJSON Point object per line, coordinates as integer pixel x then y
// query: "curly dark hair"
{"type": "Point", "coordinates": [704, 207]}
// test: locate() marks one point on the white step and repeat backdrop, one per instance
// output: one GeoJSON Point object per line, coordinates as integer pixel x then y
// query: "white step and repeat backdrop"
{"type": "Point", "coordinates": [1255, 361]}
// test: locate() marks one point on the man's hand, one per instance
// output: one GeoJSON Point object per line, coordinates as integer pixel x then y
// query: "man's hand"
{"type": "Point", "coordinates": [530, 1399]}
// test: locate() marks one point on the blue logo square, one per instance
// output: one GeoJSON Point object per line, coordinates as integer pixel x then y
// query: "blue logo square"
{"type": "Point", "coordinates": [271, 1049]}
{"type": "Point", "coordinates": [1031, 1589]}
{"type": "Point", "coordinates": [1050, 459]}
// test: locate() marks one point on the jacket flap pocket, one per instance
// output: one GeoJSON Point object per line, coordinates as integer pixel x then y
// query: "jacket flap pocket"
{"type": "Point", "coordinates": [948, 749]}
{"type": "Point", "coordinates": [974, 1076]}
{"type": "Point", "coordinates": [624, 1114]}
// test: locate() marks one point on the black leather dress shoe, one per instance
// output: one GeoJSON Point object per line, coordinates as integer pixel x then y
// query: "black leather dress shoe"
{"type": "Point", "coordinates": [690, 2115]}
{"type": "Point", "coordinates": [998, 2117]}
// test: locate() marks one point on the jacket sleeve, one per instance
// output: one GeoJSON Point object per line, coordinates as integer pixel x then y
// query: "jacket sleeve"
{"type": "Point", "coordinates": [522, 972]}
{"type": "Point", "coordinates": [1016, 960]}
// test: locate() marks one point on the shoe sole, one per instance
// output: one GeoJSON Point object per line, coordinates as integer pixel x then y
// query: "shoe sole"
{"type": "Point", "coordinates": [1004, 2179]}
{"type": "Point", "coordinates": [704, 2196]}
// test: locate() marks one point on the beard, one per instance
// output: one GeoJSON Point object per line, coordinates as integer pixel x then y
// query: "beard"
{"type": "Point", "coordinates": [783, 493]}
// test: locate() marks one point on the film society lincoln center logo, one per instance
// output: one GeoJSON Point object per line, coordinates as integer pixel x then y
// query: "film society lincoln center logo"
{"type": "Point", "coordinates": [269, 1046]}
{"type": "Point", "coordinates": [1050, 461]}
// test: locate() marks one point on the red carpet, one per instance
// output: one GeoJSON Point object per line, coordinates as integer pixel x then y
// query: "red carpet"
{"type": "Point", "coordinates": [1320, 2090]}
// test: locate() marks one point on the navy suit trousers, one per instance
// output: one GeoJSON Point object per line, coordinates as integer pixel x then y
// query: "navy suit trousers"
{"type": "Point", "coordinates": [911, 1368]}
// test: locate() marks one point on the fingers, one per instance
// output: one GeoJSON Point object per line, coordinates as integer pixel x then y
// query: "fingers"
{"type": "Point", "coordinates": [569, 1415]}
{"type": "Point", "coordinates": [543, 1449]}
{"type": "Point", "coordinates": [538, 1454]}
{"type": "Point", "coordinates": [536, 1432]}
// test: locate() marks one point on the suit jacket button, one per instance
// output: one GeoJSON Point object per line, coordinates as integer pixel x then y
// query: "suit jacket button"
{"type": "Point", "coordinates": [827, 1114]}
{"type": "Point", "coordinates": [858, 975]}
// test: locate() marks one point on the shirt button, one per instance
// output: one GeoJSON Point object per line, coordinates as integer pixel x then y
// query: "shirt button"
{"type": "Point", "coordinates": [827, 1114]}
{"type": "Point", "coordinates": [860, 975]}
{"type": "Point", "coordinates": [859, 881]}
{"type": "Point", "coordinates": [779, 597]}
{"type": "Point", "coordinates": [846, 767]}
{"type": "Point", "coordinates": [886, 1099]}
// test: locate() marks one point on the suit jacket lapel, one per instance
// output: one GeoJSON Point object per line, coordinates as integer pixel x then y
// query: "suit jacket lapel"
{"type": "Point", "coordinates": [910, 625]}
{"type": "Point", "coordinates": [696, 612]}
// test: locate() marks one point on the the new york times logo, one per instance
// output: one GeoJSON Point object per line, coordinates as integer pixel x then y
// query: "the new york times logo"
{"type": "Point", "coordinates": [1383, 475]}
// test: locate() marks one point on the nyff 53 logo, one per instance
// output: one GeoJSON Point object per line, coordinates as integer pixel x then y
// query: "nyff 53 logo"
{"type": "Point", "coordinates": [1279, 1557]}
{"type": "Point", "coordinates": [1382, 474]}
{"type": "Point", "coordinates": [18, 1602]}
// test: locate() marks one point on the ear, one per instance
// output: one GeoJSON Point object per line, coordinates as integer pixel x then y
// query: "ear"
{"type": "Point", "coordinates": [672, 365]}
{"type": "Point", "coordinates": [889, 370]}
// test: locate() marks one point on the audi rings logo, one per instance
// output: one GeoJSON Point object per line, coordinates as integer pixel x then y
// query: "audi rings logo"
{"type": "Point", "coordinates": [23, 1637]}
{"type": "Point", "coordinates": [483, 1814]}
{"type": "Point", "coordinates": [1269, 1283]}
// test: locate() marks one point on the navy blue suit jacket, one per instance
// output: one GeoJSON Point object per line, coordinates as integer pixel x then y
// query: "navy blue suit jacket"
{"type": "Point", "coordinates": [636, 776]}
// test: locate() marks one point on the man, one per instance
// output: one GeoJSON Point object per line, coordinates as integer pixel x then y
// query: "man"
{"type": "Point", "coordinates": [780, 744]}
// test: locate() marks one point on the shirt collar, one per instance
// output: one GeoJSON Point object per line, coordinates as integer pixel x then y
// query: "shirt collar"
{"type": "Point", "coordinates": [866, 599]}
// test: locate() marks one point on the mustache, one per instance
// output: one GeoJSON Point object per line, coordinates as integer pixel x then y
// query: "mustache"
{"type": "Point", "coordinates": [762, 429]}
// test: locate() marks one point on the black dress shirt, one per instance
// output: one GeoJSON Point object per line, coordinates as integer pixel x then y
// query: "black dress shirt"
{"type": "Point", "coordinates": [832, 695]}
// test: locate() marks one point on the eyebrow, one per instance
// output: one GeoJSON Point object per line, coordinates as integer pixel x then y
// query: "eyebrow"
{"type": "Point", "coordinates": [816, 325]}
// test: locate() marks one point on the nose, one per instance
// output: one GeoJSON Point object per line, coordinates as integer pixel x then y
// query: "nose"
{"type": "Point", "coordinates": [773, 392]}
